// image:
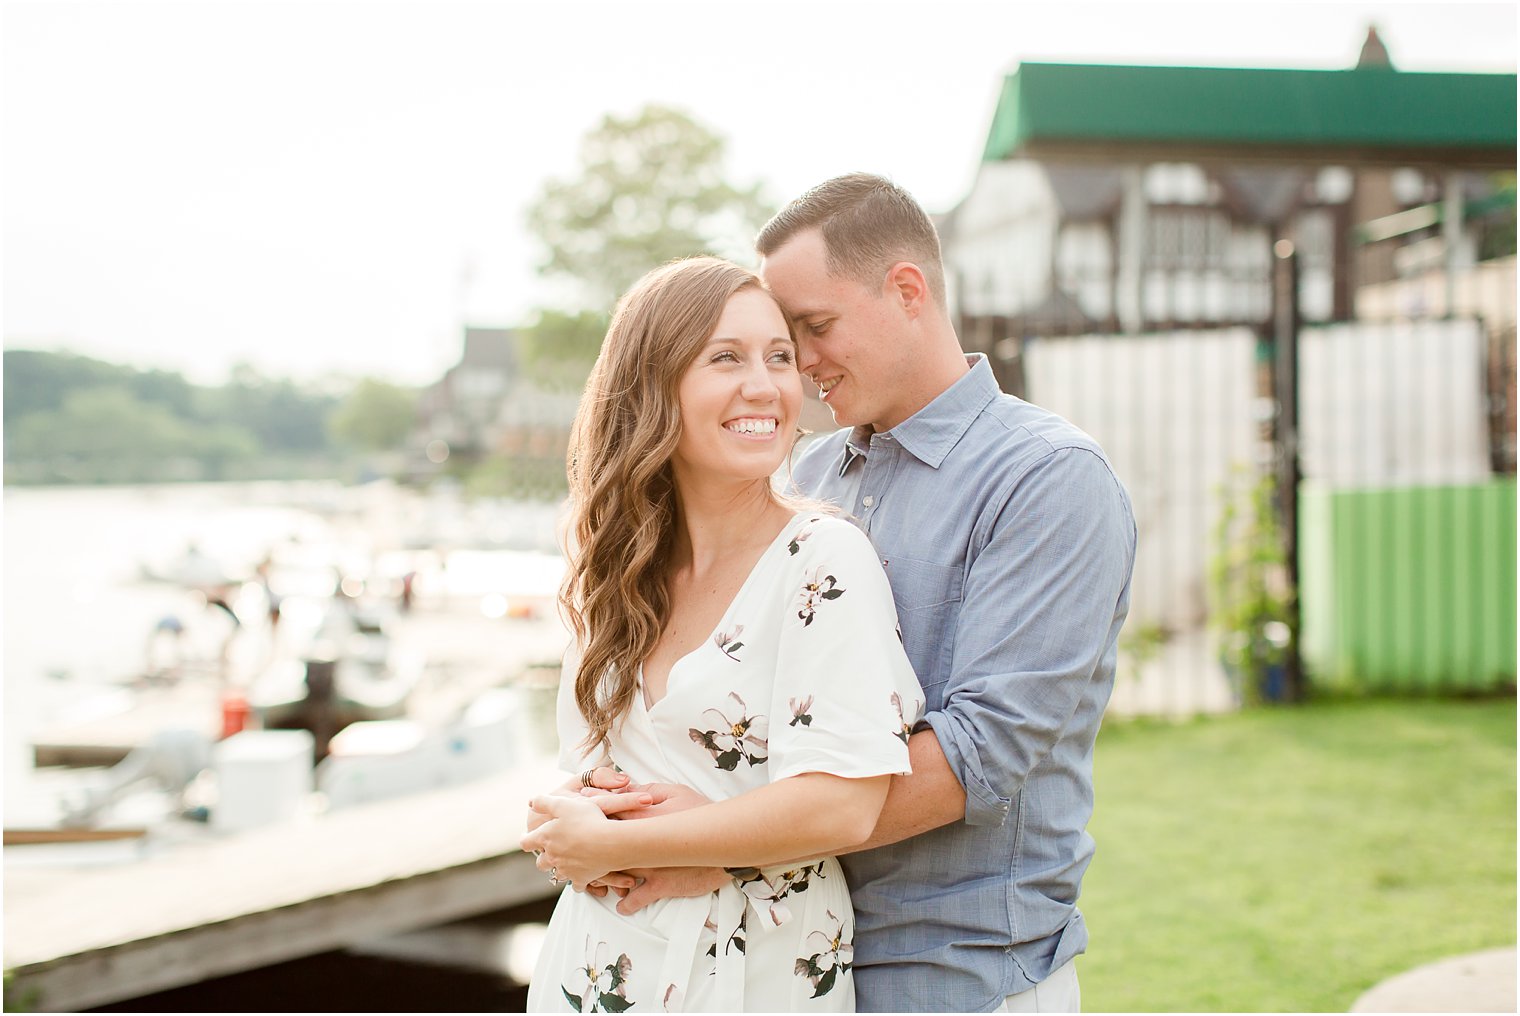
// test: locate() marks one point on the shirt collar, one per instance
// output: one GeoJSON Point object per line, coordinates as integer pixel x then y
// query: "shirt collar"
{"type": "Point", "coordinates": [930, 433]}
{"type": "Point", "coordinates": [855, 447]}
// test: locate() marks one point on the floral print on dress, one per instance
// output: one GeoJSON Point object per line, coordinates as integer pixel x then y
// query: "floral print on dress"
{"type": "Point", "coordinates": [800, 712]}
{"type": "Point", "coordinates": [728, 740]}
{"type": "Point", "coordinates": [835, 956]}
{"type": "Point", "coordinates": [739, 937]}
{"type": "Point", "coordinates": [728, 642]}
{"type": "Point", "coordinates": [805, 697]}
{"type": "Point", "coordinates": [906, 728]}
{"type": "Point", "coordinates": [606, 988]}
{"type": "Point", "coordinates": [709, 938]}
{"type": "Point", "coordinates": [801, 537]}
{"type": "Point", "coordinates": [772, 892]}
{"type": "Point", "coordinates": [814, 591]}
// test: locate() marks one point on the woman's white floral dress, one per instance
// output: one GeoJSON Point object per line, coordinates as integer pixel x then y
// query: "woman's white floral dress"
{"type": "Point", "coordinates": [806, 673]}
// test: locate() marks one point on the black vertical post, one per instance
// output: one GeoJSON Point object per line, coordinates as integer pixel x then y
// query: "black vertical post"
{"type": "Point", "coordinates": [320, 707]}
{"type": "Point", "coordinates": [1286, 326]}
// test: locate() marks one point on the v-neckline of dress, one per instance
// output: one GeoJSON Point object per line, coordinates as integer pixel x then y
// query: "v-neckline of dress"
{"type": "Point", "coordinates": [650, 707]}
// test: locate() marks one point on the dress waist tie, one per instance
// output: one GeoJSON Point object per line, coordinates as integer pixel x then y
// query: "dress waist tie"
{"type": "Point", "coordinates": [739, 918]}
{"type": "Point", "coordinates": [681, 952]}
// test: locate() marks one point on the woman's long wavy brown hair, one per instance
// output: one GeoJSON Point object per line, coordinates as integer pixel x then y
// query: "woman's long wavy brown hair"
{"type": "Point", "coordinates": [622, 494]}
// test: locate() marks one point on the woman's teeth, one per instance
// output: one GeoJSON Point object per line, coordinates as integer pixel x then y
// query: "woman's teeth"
{"type": "Point", "coordinates": [752, 426]}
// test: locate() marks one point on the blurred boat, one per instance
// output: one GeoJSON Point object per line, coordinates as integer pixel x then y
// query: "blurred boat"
{"type": "Point", "coordinates": [350, 671]}
{"type": "Point", "coordinates": [194, 569]}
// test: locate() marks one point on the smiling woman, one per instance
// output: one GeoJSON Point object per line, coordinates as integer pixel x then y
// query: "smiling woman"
{"type": "Point", "coordinates": [695, 346]}
{"type": "Point", "coordinates": [729, 639]}
{"type": "Point", "coordinates": [740, 398]}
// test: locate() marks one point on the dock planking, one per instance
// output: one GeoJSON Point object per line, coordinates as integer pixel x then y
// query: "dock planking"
{"type": "Point", "coordinates": [90, 936]}
{"type": "Point", "coordinates": [127, 721]}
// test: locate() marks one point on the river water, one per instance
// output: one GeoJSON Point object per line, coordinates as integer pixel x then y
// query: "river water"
{"type": "Point", "coordinates": [79, 613]}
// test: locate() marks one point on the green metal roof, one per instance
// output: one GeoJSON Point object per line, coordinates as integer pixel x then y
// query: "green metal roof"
{"type": "Point", "coordinates": [1365, 109]}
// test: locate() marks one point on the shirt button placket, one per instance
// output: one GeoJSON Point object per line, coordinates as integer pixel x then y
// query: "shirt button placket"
{"type": "Point", "coordinates": [870, 481]}
{"type": "Point", "coordinates": [879, 467]}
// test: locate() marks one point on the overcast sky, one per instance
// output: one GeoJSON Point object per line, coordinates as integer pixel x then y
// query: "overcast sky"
{"type": "Point", "coordinates": [317, 188]}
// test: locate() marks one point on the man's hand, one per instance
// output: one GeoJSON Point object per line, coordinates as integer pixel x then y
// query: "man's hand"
{"type": "Point", "coordinates": [668, 883]}
{"type": "Point", "coordinates": [619, 882]}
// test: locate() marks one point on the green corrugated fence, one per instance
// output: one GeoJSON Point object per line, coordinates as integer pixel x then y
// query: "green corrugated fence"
{"type": "Point", "coordinates": [1409, 589]}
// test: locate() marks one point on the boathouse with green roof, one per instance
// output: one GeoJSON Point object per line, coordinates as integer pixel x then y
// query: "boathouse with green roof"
{"type": "Point", "coordinates": [1130, 199]}
{"type": "Point", "coordinates": [1253, 285]}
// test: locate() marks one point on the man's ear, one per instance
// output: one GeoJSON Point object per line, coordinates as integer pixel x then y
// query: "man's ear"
{"type": "Point", "coordinates": [905, 284]}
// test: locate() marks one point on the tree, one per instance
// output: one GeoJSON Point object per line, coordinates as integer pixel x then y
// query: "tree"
{"type": "Point", "coordinates": [283, 416]}
{"type": "Point", "coordinates": [376, 416]}
{"type": "Point", "coordinates": [559, 348]}
{"type": "Point", "coordinates": [651, 189]}
{"type": "Point", "coordinates": [107, 434]}
{"type": "Point", "coordinates": [37, 380]}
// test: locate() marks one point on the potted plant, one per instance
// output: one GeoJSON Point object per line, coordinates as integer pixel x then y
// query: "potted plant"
{"type": "Point", "coordinates": [1250, 595]}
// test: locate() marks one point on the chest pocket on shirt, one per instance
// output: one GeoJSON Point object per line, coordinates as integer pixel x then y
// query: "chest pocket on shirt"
{"type": "Point", "coordinates": [928, 598]}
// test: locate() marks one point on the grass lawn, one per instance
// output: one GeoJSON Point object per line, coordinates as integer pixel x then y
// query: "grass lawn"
{"type": "Point", "coordinates": [1287, 859]}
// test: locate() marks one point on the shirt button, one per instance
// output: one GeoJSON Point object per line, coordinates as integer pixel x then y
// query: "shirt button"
{"type": "Point", "coordinates": [868, 500]}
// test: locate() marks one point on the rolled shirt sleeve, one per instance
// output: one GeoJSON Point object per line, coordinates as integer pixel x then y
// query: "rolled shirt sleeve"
{"type": "Point", "coordinates": [1036, 620]}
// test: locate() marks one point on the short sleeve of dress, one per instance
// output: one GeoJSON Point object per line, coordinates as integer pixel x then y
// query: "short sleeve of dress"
{"type": "Point", "coordinates": [570, 724]}
{"type": "Point", "coordinates": [845, 695]}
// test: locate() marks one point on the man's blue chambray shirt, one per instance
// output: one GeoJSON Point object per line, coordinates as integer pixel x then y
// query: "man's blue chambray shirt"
{"type": "Point", "coordinates": [1009, 545]}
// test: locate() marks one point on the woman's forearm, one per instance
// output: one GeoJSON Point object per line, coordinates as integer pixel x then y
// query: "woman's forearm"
{"type": "Point", "coordinates": [810, 815]}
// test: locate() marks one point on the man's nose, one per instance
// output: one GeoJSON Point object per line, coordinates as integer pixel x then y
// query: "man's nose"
{"type": "Point", "coordinates": [807, 356]}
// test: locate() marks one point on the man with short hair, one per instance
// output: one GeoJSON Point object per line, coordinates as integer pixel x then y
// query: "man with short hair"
{"type": "Point", "coordinates": [1009, 544]}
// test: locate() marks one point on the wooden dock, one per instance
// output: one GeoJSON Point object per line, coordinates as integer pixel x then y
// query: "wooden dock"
{"type": "Point", "coordinates": [83, 937]}
{"type": "Point", "coordinates": [129, 721]}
